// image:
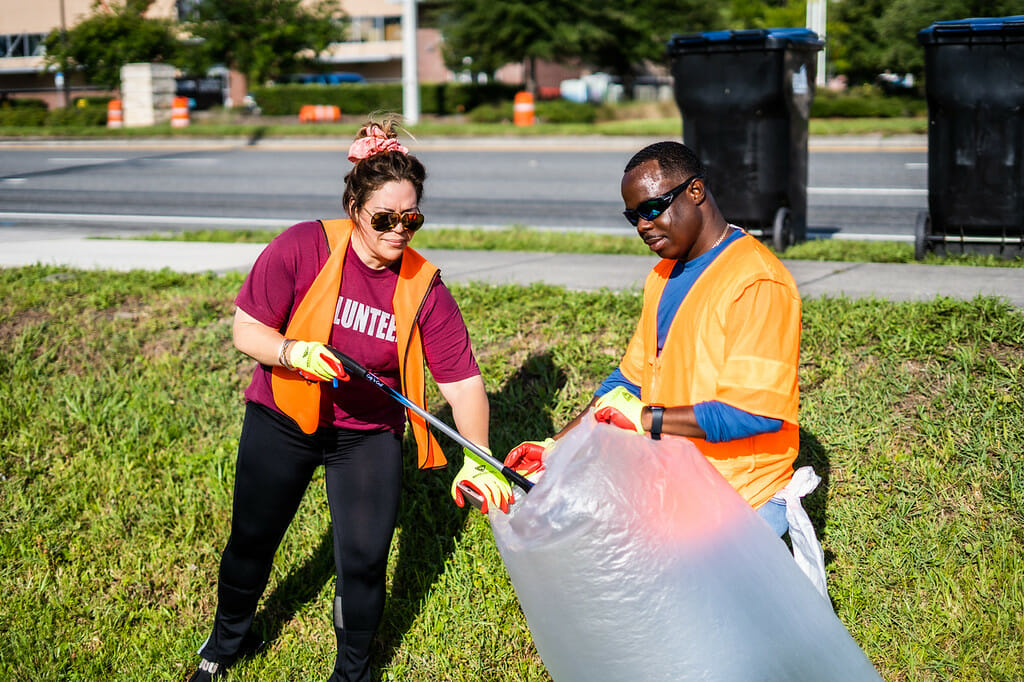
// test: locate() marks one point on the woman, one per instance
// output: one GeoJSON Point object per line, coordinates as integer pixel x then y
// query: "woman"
{"type": "Point", "coordinates": [355, 285]}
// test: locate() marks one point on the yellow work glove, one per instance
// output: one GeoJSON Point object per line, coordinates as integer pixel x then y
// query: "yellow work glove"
{"type": "Point", "coordinates": [621, 408]}
{"type": "Point", "coordinates": [527, 458]}
{"type": "Point", "coordinates": [314, 361]}
{"type": "Point", "coordinates": [484, 480]}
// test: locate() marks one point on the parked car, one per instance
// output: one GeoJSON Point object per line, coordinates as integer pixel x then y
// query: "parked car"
{"type": "Point", "coordinates": [324, 78]}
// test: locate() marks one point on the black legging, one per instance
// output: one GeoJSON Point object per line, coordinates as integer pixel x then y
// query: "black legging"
{"type": "Point", "coordinates": [276, 460]}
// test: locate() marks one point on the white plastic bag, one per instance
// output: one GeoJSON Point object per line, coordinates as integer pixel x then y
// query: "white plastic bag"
{"type": "Point", "coordinates": [634, 559]}
{"type": "Point", "coordinates": [806, 549]}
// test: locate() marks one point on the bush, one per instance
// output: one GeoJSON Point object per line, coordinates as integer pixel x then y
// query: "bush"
{"type": "Point", "coordinates": [351, 98]}
{"type": "Point", "coordinates": [548, 111]}
{"type": "Point", "coordinates": [79, 116]}
{"type": "Point", "coordinates": [492, 113]}
{"type": "Point", "coordinates": [865, 101]}
{"type": "Point", "coordinates": [31, 113]}
{"type": "Point", "coordinates": [445, 99]}
{"type": "Point", "coordinates": [365, 98]}
{"type": "Point", "coordinates": [564, 111]}
{"type": "Point", "coordinates": [23, 112]}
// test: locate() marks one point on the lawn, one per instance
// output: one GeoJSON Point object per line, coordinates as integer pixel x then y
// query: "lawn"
{"type": "Point", "coordinates": [258, 128]}
{"type": "Point", "coordinates": [522, 238]}
{"type": "Point", "coordinates": [120, 406]}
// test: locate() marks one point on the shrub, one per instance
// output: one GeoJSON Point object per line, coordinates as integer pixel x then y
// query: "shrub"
{"type": "Point", "coordinates": [492, 113]}
{"type": "Point", "coordinates": [23, 112]}
{"type": "Point", "coordinates": [564, 111]}
{"type": "Point", "coordinates": [80, 116]}
{"type": "Point", "coordinates": [83, 112]}
{"type": "Point", "coordinates": [365, 98]}
{"type": "Point", "coordinates": [548, 111]}
{"type": "Point", "coordinates": [865, 101]}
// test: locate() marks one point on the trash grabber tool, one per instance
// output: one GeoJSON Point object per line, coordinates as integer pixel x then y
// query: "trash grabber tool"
{"type": "Point", "coordinates": [355, 368]}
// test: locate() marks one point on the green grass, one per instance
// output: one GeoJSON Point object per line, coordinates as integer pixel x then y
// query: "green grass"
{"type": "Point", "coordinates": [120, 407]}
{"type": "Point", "coordinates": [664, 126]}
{"type": "Point", "coordinates": [520, 238]}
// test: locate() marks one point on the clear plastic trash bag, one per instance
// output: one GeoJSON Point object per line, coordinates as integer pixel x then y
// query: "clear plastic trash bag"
{"type": "Point", "coordinates": [634, 559]}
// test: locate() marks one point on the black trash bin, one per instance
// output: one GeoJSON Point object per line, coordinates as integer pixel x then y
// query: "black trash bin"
{"type": "Point", "coordinates": [746, 98]}
{"type": "Point", "coordinates": [974, 82]}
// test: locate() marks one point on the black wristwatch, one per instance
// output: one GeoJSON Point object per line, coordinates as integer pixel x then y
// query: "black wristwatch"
{"type": "Point", "coordinates": [657, 414]}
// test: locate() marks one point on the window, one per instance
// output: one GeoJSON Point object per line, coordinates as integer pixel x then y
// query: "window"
{"type": "Point", "coordinates": [22, 45]}
{"type": "Point", "coordinates": [375, 29]}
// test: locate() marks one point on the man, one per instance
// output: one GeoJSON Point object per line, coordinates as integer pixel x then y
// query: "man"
{"type": "Point", "coordinates": [715, 353]}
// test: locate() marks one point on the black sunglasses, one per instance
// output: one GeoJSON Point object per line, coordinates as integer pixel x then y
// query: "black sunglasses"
{"type": "Point", "coordinates": [389, 220]}
{"type": "Point", "coordinates": [650, 209]}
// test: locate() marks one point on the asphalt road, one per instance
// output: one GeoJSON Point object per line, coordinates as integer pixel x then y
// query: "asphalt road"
{"type": "Point", "coordinates": [853, 191]}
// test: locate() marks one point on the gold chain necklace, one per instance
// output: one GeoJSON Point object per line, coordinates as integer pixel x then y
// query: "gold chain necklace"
{"type": "Point", "coordinates": [721, 237]}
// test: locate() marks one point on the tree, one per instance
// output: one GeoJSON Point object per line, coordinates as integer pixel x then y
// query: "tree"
{"type": "Point", "coordinates": [854, 43]}
{"type": "Point", "coordinates": [867, 37]}
{"type": "Point", "coordinates": [264, 39]}
{"type": "Point", "coordinates": [903, 19]}
{"type": "Point", "coordinates": [614, 36]}
{"type": "Point", "coordinates": [744, 14]}
{"type": "Point", "coordinates": [108, 39]}
{"type": "Point", "coordinates": [630, 34]}
{"type": "Point", "coordinates": [487, 34]}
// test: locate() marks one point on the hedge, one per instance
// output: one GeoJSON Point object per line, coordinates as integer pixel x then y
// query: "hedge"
{"type": "Point", "coordinates": [365, 98]}
{"type": "Point", "coordinates": [547, 111]}
{"type": "Point", "coordinates": [860, 103]}
{"type": "Point", "coordinates": [86, 112]}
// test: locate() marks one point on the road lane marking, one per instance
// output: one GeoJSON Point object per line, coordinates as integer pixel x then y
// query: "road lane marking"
{"type": "Point", "coordinates": [85, 159]}
{"type": "Point", "coordinates": [870, 191]}
{"type": "Point", "coordinates": [150, 219]}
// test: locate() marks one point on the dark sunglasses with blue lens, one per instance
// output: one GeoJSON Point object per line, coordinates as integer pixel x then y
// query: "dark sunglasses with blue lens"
{"type": "Point", "coordinates": [650, 209]}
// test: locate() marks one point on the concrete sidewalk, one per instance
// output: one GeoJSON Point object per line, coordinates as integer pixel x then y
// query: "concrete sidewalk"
{"type": "Point", "coordinates": [586, 272]}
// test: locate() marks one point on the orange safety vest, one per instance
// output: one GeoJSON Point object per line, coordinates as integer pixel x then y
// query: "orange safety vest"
{"type": "Point", "coordinates": [710, 355]}
{"type": "Point", "coordinates": [312, 320]}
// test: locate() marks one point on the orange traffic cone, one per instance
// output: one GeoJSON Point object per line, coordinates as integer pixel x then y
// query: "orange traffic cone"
{"type": "Point", "coordinates": [115, 114]}
{"type": "Point", "coordinates": [179, 112]}
{"type": "Point", "coordinates": [522, 109]}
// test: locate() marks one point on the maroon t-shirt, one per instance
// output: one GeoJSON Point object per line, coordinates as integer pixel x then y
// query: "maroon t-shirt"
{"type": "Point", "coordinates": [363, 328]}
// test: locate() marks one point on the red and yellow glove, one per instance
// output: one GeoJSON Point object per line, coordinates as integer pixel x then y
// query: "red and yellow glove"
{"type": "Point", "coordinates": [484, 480]}
{"type": "Point", "coordinates": [620, 408]}
{"type": "Point", "coordinates": [527, 458]}
{"type": "Point", "coordinates": [314, 362]}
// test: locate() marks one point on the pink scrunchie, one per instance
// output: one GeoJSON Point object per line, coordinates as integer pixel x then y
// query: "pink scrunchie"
{"type": "Point", "coordinates": [374, 143]}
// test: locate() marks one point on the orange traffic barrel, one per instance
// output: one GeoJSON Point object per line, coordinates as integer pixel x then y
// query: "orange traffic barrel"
{"type": "Point", "coordinates": [522, 109]}
{"type": "Point", "coordinates": [115, 114]}
{"type": "Point", "coordinates": [179, 112]}
{"type": "Point", "coordinates": [315, 113]}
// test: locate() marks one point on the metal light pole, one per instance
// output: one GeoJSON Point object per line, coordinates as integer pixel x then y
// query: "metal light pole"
{"type": "Point", "coordinates": [410, 77]}
{"type": "Point", "coordinates": [64, 39]}
{"type": "Point", "coordinates": [816, 10]}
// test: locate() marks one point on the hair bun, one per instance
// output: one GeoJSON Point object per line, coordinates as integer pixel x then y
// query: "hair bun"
{"type": "Point", "coordinates": [375, 139]}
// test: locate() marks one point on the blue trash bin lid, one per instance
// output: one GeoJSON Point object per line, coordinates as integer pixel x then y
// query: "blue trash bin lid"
{"type": "Point", "coordinates": [750, 39]}
{"type": "Point", "coordinates": [967, 30]}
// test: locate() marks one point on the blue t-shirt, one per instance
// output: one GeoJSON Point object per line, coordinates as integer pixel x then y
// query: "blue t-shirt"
{"type": "Point", "coordinates": [719, 421]}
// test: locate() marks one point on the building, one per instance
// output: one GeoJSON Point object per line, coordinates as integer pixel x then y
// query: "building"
{"type": "Point", "coordinates": [24, 26]}
{"type": "Point", "coordinates": [373, 49]}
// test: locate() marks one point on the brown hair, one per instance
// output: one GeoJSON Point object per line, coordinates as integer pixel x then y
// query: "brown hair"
{"type": "Point", "coordinates": [370, 174]}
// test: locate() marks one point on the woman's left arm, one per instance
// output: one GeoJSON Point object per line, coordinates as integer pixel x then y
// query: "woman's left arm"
{"type": "Point", "coordinates": [470, 408]}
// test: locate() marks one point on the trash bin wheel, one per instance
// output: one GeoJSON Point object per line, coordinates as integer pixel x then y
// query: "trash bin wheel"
{"type": "Point", "coordinates": [921, 230]}
{"type": "Point", "coordinates": [782, 230]}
